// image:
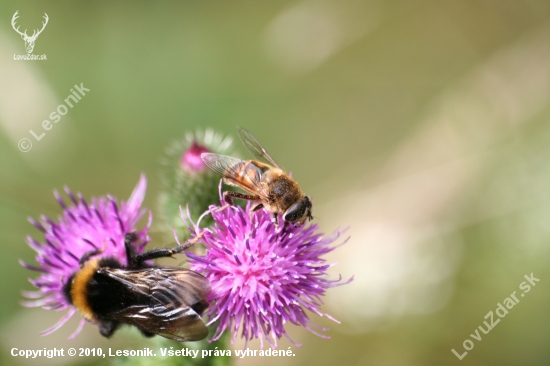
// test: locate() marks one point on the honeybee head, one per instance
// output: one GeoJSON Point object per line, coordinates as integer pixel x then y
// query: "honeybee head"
{"type": "Point", "coordinates": [299, 212]}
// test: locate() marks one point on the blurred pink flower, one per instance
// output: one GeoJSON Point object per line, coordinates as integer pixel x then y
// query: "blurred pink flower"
{"type": "Point", "coordinates": [191, 160]}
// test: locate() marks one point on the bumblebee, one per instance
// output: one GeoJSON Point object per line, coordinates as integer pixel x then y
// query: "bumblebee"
{"type": "Point", "coordinates": [167, 301]}
{"type": "Point", "coordinates": [269, 185]}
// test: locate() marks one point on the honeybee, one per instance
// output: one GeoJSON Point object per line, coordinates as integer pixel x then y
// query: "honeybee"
{"type": "Point", "coordinates": [167, 301]}
{"type": "Point", "coordinates": [270, 186]}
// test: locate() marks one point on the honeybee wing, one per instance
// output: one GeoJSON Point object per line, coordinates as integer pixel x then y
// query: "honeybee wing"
{"type": "Point", "coordinates": [255, 147]}
{"type": "Point", "coordinates": [222, 164]}
{"type": "Point", "coordinates": [170, 301]}
{"type": "Point", "coordinates": [246, 174]}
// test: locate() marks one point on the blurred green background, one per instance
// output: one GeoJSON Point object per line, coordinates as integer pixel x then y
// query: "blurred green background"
{"type": "Point", "coordinates": [424, 126]}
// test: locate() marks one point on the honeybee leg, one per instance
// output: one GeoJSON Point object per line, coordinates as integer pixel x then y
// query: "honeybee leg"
{"type": "Point", "coordinates": [227, 198]}
{"type": "Point", "coordinates": [275, 219]}
{"type": "Point", "coordinates": [107, 327]}
{"type": "Point", "coordinates": [258, 207]}
{"type": "Point", "coordinates": [229, 195]}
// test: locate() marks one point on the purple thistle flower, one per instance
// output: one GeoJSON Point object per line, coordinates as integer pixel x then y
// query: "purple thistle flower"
{"type": "Point", "coordinates": [83, 227]}
{"type": "Point", "coordinates": [263, 276]}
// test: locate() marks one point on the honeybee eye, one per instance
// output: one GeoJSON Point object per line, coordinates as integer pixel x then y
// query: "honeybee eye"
{"type": "Point", "coordinates": [297, 211]}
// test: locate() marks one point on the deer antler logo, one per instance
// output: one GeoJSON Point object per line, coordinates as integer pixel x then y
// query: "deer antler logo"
{"type": "Point", "coordinates": [29, 41]}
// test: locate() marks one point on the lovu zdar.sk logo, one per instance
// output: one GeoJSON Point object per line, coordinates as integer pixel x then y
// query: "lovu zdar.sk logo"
{"type": "Point", "coordinates": [29, 40]}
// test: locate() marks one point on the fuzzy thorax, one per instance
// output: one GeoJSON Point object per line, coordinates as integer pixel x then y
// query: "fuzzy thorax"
{"type": "Point", "coordinates": [79, 288]}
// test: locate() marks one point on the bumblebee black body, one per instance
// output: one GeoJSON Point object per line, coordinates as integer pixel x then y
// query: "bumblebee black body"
{"type": "Point", "coordinates": [167, 301]}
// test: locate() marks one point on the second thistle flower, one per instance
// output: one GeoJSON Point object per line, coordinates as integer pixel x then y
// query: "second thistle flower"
{"type": "Point", "coordinates": [263, 276]}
